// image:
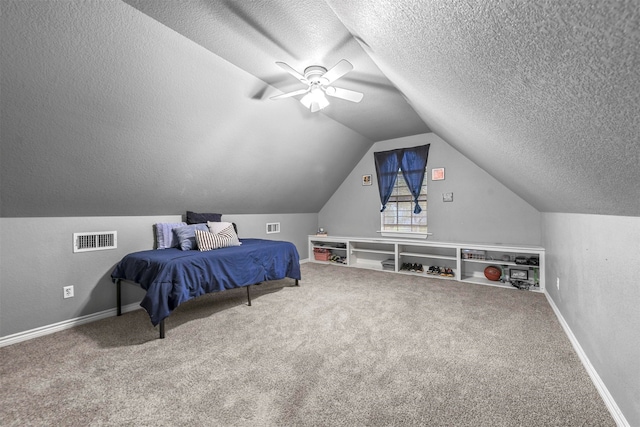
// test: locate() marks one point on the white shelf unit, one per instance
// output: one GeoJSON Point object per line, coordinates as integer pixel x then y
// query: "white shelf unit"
{"type": "Point", "coordinates": [503, 257]}
{"type": "Point", "coordinates": [370, 252]}
{"type": "Point", "coordinates": [428, 255]}
{"type": "Point", "coordinates": [338, 246]}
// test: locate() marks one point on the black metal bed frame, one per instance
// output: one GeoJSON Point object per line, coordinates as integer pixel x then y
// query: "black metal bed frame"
{"type": "Point", "coordinates": [161, 324]}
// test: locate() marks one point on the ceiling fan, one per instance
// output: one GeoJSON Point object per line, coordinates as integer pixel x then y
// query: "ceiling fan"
{"type": "Point", "coordinates": [318, 79]}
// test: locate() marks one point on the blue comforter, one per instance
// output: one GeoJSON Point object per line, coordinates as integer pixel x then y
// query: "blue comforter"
{"type": "Point", "coordinates": [173, 276]}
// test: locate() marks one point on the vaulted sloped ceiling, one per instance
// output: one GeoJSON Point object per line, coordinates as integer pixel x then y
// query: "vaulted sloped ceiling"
{"type": "Point", "coordinates": [106, 111]}
{"type": "Point", "coordinates": [253, 35]}
{"type": "Point", "coordinates": [544, 95]}
{"type": "Point", "coordinates": [151, 107]}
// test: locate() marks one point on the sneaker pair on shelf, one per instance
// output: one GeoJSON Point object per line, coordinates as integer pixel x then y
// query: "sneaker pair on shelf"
{"type": "Point", "coordinates": [440, 271]}
{"type": "Point", "coordinates": [447, 272]}
{"type": "Point", "coordinates": [414, 268]}
{"type": "Point", "coordinates": [336, 258]}
{"type": "Point", "coordinates": [434, 269]}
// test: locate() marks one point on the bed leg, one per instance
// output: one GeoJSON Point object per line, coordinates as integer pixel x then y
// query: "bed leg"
{"type": "Point", "coordinates": [297, 284]}
{"type": "Point", "coordinates": [249, 295]}
{"type": "Point", "coordinates": [119, 297]}
{"type": "Point", "coordinates": [162, 329]}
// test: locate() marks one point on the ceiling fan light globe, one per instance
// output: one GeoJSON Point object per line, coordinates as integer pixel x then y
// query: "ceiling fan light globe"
{"type": "Point", "coordinates": [323, 102]}
{"type": "Point", "coordinates": [306, 101]}
{"type": "Point", "coordinates": [315, 99]}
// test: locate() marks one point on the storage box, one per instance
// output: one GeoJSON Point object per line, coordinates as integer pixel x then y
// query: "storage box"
{"type": "Point", "coordinates": [321, 254]}
{"type": "Point", "coordinates": [473, 254]}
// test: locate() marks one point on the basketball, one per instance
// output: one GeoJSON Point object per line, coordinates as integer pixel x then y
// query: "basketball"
{"type": "Point", "coordinates": [492, 273]}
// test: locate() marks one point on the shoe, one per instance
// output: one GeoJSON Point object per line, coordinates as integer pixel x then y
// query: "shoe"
{"type": "Point", "coordinates": [419, 268]}
{"type": "Point", "coordinates": [413, 267]}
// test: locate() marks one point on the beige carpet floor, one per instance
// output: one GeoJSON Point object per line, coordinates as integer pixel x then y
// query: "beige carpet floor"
{"type": "Point", "coordinates": [349, 347]}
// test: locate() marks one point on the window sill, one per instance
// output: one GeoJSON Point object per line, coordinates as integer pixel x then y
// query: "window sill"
{"type": "Point", "coordinates": [405, 234]}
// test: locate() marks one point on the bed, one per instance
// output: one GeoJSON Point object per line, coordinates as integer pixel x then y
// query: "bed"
{"type": "Point", "coordinates": [173, 276]}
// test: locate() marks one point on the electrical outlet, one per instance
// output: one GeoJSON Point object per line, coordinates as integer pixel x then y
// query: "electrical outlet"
{"type": "Point", "coordinates": [558, 283]}
{"type": "Point", "coordinates": [67, 291]}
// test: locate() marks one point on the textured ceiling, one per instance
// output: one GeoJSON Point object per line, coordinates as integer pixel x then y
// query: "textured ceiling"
{"type": "Point", "coordinates": [105, 111]}
{"type": "Point", "coordinates": [544, 96]}
{"type": "Point", "coordinates": [253, 35]}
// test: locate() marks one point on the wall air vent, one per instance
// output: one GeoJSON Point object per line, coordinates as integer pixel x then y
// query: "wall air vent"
{"type": "Point", "coordinates": [273, 227]}
{"type": "Point", "coordinates": [85, 242]}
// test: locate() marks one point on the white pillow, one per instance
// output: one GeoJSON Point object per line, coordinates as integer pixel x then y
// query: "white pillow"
{"type": "Point", "coordinates": [216, 227]}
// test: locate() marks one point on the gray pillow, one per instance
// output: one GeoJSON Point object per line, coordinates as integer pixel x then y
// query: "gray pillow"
{"type": "Point", "coordinates": [202, 218]}
{"type": "Point", "coordinates": [187, 235]}
{"type": "Point", "coordinates": [165, 238]}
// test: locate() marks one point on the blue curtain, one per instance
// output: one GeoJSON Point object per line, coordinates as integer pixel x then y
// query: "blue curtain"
{"type": "Point", "coordinates": [411, 161]}
{"type": "Point", "coordinates": [413, 165]}
{"type": "Point", "coordinates": [387, 164]}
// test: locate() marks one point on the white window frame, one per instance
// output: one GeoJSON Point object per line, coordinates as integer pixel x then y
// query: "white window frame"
{"type": "Point", "coordinates": [412, 232]}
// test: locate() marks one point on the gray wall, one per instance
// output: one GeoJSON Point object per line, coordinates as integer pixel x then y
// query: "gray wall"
{"type": "Point", "coordinates": [597, 258]}
{"type": "Point", "coordinates": [37, 260]}
{"type": "Point", "coordinates": [483, 210]}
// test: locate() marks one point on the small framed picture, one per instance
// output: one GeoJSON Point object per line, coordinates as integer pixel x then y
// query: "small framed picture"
{"type": "Point", "coordinates": [366, 179]}
{"type": "Point", "coordinates": [519, 274]}
{"type": "Point", "coordinates": [437, 174]}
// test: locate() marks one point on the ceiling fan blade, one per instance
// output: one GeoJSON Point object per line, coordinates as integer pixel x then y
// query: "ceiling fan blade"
{"type": "Point", "coordinates": [349, 95]}
{"type": "Point", "coordinates": [339, 70]}
{"type": "Point", "coordinates": [293, 72]}
{"type": "Point", "coordinates": [290, 94]}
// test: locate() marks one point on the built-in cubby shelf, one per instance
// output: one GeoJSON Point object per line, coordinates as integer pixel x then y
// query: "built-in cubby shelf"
{"type": "Point", "coordinates": [520, 266]}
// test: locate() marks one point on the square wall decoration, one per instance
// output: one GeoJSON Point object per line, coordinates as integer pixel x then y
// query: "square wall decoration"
{"type": "Point", "coordinates": [366, 179]}
{"type": "Point", "coordinates": [437, 174]}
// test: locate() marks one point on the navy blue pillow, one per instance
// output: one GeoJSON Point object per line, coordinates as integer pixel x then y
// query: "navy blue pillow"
{"type": "Point", "coordinates": [187, 235]}
{"type": "Point", "coordinates": [202, 218]}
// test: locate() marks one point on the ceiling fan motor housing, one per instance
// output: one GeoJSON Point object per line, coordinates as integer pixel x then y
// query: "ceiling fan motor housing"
{"type": "Point", "coordinates": [314, 74]}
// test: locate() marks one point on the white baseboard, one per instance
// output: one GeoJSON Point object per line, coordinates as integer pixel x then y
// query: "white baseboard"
{"type": "Point", "coordinates": [66, 324]}
{"type": "Point", "coordinates": [617, 415]}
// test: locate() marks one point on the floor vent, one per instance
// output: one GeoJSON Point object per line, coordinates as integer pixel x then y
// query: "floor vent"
{"type": "Point", "coordinates": [85, 242]}
{"type": "Point", "coordinates": [273, 227]}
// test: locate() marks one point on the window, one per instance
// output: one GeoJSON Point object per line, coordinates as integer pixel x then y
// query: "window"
{"type": "Point", "coordinates": [401, 175]}
{"type": "Point", "coordinates": [398, 215]}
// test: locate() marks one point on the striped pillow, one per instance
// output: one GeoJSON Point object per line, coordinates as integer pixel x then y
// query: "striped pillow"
{"type": "Point", "coordinates": [208, 241]}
